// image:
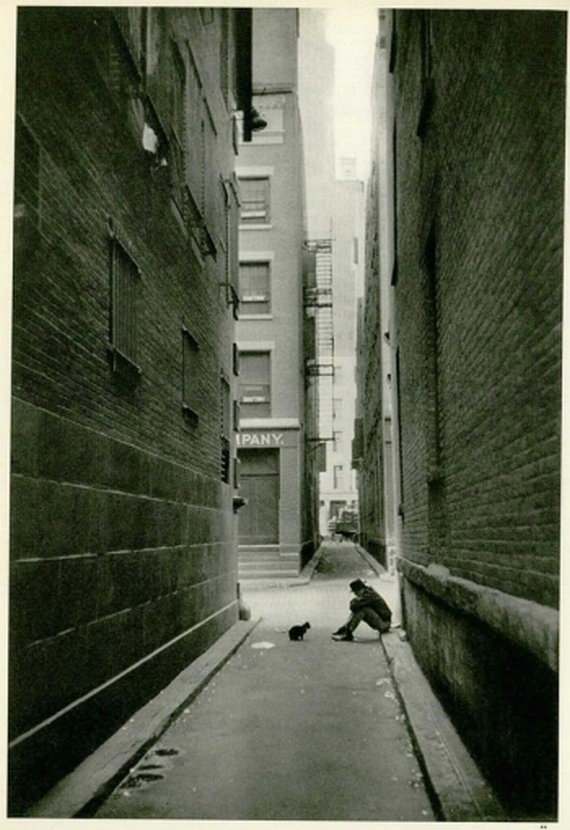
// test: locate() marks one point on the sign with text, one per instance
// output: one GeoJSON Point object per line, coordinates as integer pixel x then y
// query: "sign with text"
{"type": "Point", "coordinates": [260, 439]}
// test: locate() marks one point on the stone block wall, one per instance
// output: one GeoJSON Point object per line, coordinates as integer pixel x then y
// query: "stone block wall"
{"type": "Point", "coordinates": [123, 555]}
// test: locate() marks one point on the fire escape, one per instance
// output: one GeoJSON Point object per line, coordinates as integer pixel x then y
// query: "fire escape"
{"type": "Point", "coordinates": [318, 304]}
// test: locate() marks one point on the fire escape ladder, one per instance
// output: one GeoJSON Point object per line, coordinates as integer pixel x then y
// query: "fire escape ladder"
{"type": "Point", "coordinates": [318, 301]}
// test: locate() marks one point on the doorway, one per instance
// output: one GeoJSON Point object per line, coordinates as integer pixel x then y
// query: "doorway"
{"type": "Point", "coordinates": [259, 484]}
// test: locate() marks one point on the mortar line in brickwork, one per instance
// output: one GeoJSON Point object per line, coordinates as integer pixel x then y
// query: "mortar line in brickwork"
{"type": "Point", "coordinates": [102, 489]}
{"type": "Point", "coordinates": [115, 678]}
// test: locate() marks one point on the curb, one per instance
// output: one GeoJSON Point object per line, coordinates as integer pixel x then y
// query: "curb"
{"type": "Point", "coordinates": [81, 792]}
{"type": "Point", "coordinates": [369, 559]}
{"type": "Point", "coordinates": [459, 791]}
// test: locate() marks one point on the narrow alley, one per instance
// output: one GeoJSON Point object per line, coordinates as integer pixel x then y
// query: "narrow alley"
{"type": "Point", "coordinates": [308, 730]}
{"type": "Point", "coordinates": [287, 311]}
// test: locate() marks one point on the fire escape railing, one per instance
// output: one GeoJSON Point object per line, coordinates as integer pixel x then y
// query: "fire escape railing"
{"type": "Point", "coordinates": [318, 302]}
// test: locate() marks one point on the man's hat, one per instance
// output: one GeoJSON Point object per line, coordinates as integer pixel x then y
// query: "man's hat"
{"type": "Point", "coordinates": [357, 585]}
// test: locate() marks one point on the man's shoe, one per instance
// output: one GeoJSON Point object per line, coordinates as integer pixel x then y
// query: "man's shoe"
{"type": "Point", "coordinates": [347, 635]}
{"type": "Point", "coordinates": [342, 630]}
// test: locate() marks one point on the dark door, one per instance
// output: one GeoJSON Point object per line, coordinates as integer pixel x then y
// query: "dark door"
{"type": "Point", "coordinates": [259, 484]}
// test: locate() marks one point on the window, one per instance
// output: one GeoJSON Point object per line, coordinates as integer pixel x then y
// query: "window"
{"type": "Point", "coordinates": [254, 287]}
{"type": "Point", "coordinates": [230, 189]}
{"type": "Point", "coordinates": [125, 287]}
{"type": "Point", "coordinates": [126, 56]}
{"type": "Point", "coordinates": [190, 376]}
{"type": "Point", "coordinates": [254, 198]}
{"type": "Point", "coordinates": [255, 385]}
{"type": "Point", "coordinates": [225, 429]}
{"type": "Point", "coordinates": [337, 438]}
{"type": "Point", "coordinates": [178, 133]}
{"type": "Point", "coordinates": [337, 477]}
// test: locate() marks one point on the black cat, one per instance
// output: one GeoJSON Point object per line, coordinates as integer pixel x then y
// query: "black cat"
{"type": "Point", "coordinates": [297, 632]}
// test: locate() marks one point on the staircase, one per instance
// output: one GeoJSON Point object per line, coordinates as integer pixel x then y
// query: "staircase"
{"type": "Point", "coordinates": [266, 562]}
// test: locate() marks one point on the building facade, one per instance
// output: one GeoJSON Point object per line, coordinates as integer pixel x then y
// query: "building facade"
{"type": "Point", "coordinates": [276, 531]}
{"type": "Point", "coordinates": [123, 538]}
{"type": "Point", "coordinates": [461, 334]}
{"type": "Point", "coordinates": [335, 217]}
{"type": "Point", "coordinates": [338, 490]}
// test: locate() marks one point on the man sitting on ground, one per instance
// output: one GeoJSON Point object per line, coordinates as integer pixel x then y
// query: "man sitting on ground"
{"type": "Point", "coordinates": [369, 606]}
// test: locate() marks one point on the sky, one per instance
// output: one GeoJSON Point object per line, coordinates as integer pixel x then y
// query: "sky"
{"type": "Point", "coordinates": [352, 31]}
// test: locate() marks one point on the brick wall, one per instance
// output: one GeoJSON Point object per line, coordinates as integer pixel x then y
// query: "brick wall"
{"type": "Point", "coordinates": [479, 106]}
{"type": "Point", "coordinates": [122, 533]}
{"type": "Point", "coordinates": [479, 295]}
{"type": "Point", "coordinates": [370, 478]}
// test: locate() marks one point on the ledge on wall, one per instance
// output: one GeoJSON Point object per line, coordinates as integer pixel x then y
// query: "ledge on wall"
{"type": "Point", "coordinates": [534, 627]}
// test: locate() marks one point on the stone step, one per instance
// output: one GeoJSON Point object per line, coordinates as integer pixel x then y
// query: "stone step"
{"type": "Point", "coordinates": [263, 557]}
{"type": "Point", "coordinates": [267, 574]}
{"type": "Point", "coordinates": [268, 566]}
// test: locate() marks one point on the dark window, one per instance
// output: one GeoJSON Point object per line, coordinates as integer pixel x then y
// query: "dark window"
{"type": "Point", "coordinates": [177, 91]}
{"type": "Point", "coordinates": [176, 144]}
{"type": "Point", "coordinates": [254, 287]}
{"type": "Point", "coordinates": [225, 429]}
{"type": "Point", "coordinates": [124, 70]}
{"type": "Point", "coordinates": [255, 384]}
{"type": "Point", "coordinates": [235, 359]}
{"type": "Point", "coordinates": [125, 288]}
{"type": "Point", "coordinates": [190, 375]}
{"type": "Point", "coordinates": [230, 187]}
{"type": "Point", "coordinates": [254, 199]}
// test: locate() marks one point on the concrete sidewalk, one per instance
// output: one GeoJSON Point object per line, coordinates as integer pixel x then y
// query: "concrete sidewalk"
{"type": "Point", "coordinates": [287, 731]}
{"type": "Point", "coordinates": [312, 730]}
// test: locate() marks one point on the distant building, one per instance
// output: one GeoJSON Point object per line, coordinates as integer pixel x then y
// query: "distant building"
{"type": "Point", "coordinates": [123, 544]}
{"type": "Point", "coordinates": [460, 371]}
{"type": "Point", "coordinates": [277, 526]}
{"type": "Point", "coordinates": [335, 211]}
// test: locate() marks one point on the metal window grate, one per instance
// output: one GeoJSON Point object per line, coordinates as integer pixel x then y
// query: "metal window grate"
{"type": "Point", "coordinates": [190, 374]}
{"type": "Point", "coordinates": [125, 282]}
{"type": "Point", "coordinates": [225, 429]}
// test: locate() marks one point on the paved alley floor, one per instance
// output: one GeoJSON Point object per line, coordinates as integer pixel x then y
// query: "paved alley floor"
{"type": "Point", "coordinates": [287, 730]}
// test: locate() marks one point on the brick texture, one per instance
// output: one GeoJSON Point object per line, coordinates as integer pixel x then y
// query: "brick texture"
{"type": "Point", "coordinates": [122, 533]}
{"type": "Point", "coordinates": [369, 385]}
{"type": "Point", "coordinates": [479, 293]}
